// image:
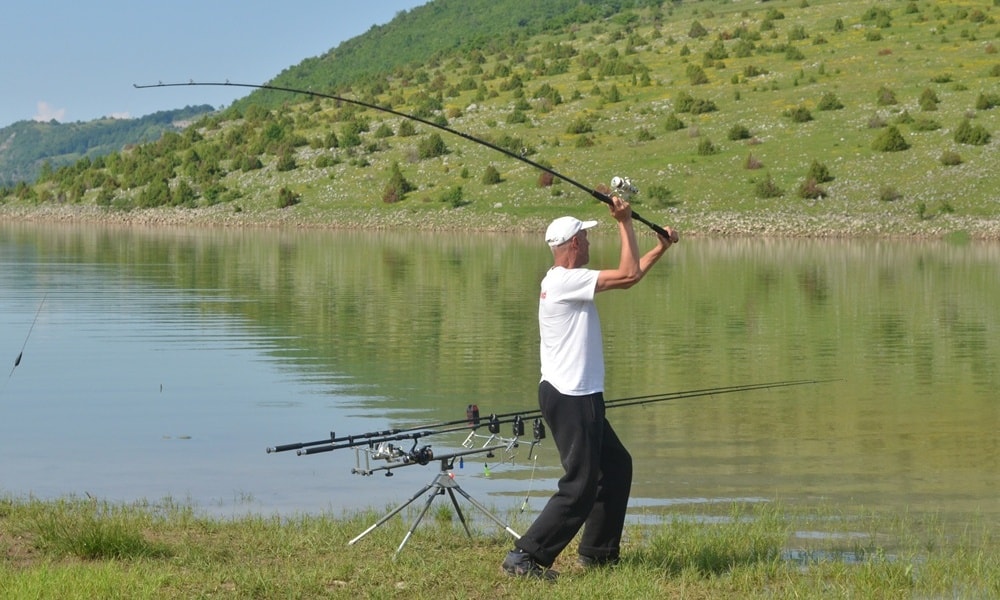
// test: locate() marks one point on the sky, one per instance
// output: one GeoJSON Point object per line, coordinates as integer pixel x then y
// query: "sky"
{"type": "Point", "coordinates": [76, 61]}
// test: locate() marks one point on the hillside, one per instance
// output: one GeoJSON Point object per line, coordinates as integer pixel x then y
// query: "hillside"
{"type": "Point", "coordinates": [813, 117]}
{"type": "Point", "coordinates": [26, 146]}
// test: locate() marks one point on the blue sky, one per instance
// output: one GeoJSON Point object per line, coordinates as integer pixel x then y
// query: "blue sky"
{"type": "Point", "coordinates": [76, 61]}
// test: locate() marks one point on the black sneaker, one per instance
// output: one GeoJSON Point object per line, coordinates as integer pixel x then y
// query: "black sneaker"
{"type": "Point", "coordinates": [520, 564]}
{"type": "Point", "coordinates": [591, 562]}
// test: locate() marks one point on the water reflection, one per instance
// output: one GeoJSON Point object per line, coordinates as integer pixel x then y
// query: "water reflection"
{"type": "Point", "coordinates": [164, 362]}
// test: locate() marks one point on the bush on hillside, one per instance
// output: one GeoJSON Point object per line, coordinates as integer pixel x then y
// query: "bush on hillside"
{"type": "Point", "coordinates": [975, 135]}
{"type": "Point", "coordinates": [890, 140]}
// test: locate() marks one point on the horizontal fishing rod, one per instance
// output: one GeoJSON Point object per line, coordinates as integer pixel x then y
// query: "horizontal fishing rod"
{"type": "Point", "coordinates": [517, 419]}
{"type": "Point", "coordinates": [605, 198]}
{"type": "Point", "coordinates": [472, 417]}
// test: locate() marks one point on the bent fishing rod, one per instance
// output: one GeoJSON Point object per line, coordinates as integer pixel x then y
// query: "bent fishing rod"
{"type": "Point", "coordinates": [603, 197]}
{"type": "Point", "coordinates": [517, 419]}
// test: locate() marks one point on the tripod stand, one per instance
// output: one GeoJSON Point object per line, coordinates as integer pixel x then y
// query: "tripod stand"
{"type": "Point", "coordinates": [443, 482]}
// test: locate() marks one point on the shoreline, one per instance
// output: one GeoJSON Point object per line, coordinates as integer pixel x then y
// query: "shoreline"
{"type": "Point", "coordinates": [689, 223]}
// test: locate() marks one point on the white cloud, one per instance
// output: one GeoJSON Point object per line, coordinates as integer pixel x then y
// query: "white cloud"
{"type": "Point", "coordinates": [47, 112]}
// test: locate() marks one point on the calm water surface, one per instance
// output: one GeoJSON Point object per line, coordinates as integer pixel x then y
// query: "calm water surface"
{"type": "Point", "coordinates": [163, 363]}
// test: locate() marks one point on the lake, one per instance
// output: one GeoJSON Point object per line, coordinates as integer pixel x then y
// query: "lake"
{"type": "Point", "coordinates": [162, 363]}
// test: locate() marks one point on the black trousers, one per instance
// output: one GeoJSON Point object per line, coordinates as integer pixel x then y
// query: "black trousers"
{"type": "Point", "coordinates": [593, 493]}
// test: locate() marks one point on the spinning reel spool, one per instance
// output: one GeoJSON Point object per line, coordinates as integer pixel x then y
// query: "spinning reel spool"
{"type": "Point", "coordinates": [623, 187]}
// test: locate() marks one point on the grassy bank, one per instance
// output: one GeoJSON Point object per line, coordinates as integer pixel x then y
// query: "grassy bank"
{"type": "Point", "coordinates": [82, 548]}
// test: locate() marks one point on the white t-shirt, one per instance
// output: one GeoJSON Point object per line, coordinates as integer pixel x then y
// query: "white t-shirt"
{"type": "Point", "coordinates": [571, 350]}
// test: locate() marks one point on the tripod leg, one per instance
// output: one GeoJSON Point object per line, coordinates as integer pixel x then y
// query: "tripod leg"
{"type": "Point", "coordinates": [486, 512]}
{"type": "Point", "coordinates": [394, 512]}
{"type": "Point", "coordinates": [458, 510]}
{"type": "Point", "coordinates": [406, 538]}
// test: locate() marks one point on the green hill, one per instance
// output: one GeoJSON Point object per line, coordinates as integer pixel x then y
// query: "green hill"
{"type": "Point", "coordinates": [26, 146]}
{"type": "Point", "coordinates": [779, 117]}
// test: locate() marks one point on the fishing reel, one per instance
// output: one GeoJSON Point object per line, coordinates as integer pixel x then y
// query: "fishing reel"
{"type": "Point", "coordinates": [623, 187]}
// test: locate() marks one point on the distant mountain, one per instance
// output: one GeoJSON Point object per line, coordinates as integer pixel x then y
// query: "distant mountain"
{"type": "Point", "coordinates": [26, 146]}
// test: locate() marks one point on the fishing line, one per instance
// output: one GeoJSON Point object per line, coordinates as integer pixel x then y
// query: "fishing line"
{"type": "Point", "coordinates": [17, 360]}
{"type": "Point", "coordinates": [593, 192]}
{"type": "Point", "coordinates": [531, 482]}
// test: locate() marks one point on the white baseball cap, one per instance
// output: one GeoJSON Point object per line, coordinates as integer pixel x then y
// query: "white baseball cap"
{"type": "Point", "coordinates": [562, 229]}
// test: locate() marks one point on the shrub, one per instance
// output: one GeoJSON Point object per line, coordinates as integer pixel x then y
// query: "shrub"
{"type": "Point", "coordinates": [706, 147]}
{"type": "Point", "coordinates": [819, 173]}
{"type": "Point", "coordinates": [673, 123]}
{"type": "Point", "coordinates": [890, 140]}
{"type": "Point", "coordinates": [793, 53]}
{"type": "Point", "coordinates": [885, 97]}
{"type": "Point", "coordinates": [810, 190]}
{"type": "Point", "coordinates": [925, 124]}
{"type": "Point", "coordinates": [829, 101]}
{"type": "Point", "coordinates": [876, 122]}
{"type": "Point", "coordinates": [660, 194]}
{"type": "Point", "coordinates": [767, 188]}
{"type": "Point", "coordinates": [986, 101]}
{"type": "Point", "coordinates": [580, 125]}
{"type": "Point", "coordinates": [686, 103]}
{"type": "Point", "coordinates": [738, 132]}
{"type": "Point", "coordinates": [286, 160]}
{"type": "Point", "coordinates": [324, 160]}
{"type": "Point", "coordinates": [453, 197]}
{"type": "Point", "coordinates": [287, 198]}
{"type": "Point", "coordinates": [799, 114]}
{"type": "Point", "coordinates": [928, 100]}
{"type": "Point", "coordinates": [975, 135]}
{"type": "Point", "coordinates": [491, 176]}
{"type": "Point", "coordinates": [888, 193]}
{"type": "Point", "coordinates": [431, 146]}
{"type": "Point", "coordinates": [950, 158]}
{"type": "Point", "coordinates": [407, 128]}
{"type": "Point", "coordinates": [696, 75]}
{"type": "Point", "coordinates": [752, 163]}
{"type": "Point", "coordinates": [250, 162]}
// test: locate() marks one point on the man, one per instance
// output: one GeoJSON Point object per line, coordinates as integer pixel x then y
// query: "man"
{"type": "Point", "coordinates": [593, 493]}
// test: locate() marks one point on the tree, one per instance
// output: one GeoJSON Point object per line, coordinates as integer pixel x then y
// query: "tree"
{"type": "Point", "coordinates": [397, 187]}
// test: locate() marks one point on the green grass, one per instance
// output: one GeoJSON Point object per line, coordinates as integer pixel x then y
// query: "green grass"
{"type": "Point", "coordinates": [83, 548]}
